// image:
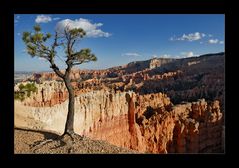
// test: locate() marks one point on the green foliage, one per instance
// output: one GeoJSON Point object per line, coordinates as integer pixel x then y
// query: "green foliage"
{"type": "Point", "coordinates": [19, 95]}
{"type": "Point", "coordinates": [48, 35]}
{"type": "Point", "coordinates": [31, 87]}
{"type": "Point", "coordinates": [35, 42]}
{"type": "Point", "coordinates": [77, 32]}
{"type": "Point", "coordinates": [25, 90]}
{"type": "Point", "coordinates": [36, 45]}
{"type": "Point", "coordinates": [84, 55]}
{"type": "Point", "coordinates": [21, 86]}
{"type": "Point", "coordinates": [37, 28]}
{"type": "Point", "coordinates": [31, 50]}
{"type": "Point", "coordinates": [26, 37]}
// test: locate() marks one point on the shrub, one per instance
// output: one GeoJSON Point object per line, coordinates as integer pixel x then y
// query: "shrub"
{"type": "Point", "coordinates": [25, 90]}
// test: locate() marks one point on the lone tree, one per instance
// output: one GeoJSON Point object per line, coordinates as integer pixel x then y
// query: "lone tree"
{"type": "Point", "coordinates": [38, 45]}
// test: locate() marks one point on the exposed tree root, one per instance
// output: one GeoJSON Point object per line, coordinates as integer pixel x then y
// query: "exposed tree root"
{"type": "Point", "coordinates": [73, 136]}
{"type": "Point", "coordinates": [68, 139]}
{"type": "Point", "coordinates": [39, 144]}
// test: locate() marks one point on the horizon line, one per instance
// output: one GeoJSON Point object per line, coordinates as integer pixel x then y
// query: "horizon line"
{"type": "Point", "coordinates": [214, 53]}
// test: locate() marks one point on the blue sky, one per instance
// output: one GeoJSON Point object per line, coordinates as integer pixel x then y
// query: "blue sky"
{"type": "Point", "coordinates": [123, 38]}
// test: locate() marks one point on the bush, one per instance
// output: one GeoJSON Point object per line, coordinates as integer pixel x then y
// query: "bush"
{"type": "Point", "coordinates": [19, 96]}
{"type": "Point", "coordinates": [25, 90]}
{"type": "Point", "coordinates": [21, 86]}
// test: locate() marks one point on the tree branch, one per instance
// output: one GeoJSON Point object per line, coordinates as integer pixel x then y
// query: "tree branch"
{"type": "Point", "coordinates": [55, 43]}
{"type": "Point", "coordinates": [40, 48]}
{"type": "Point", "coordinates": [77, 63]}
{"type": "Point", "coordinates": [69, 47]}
{"type": "Point", "coordinates": [72, 44]}
{"type": "Point", "coordinates": [57, 71]}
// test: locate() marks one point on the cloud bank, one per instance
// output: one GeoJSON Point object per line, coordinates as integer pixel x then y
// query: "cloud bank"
{"type": "Point", "coordinates": [189, 37]}
{"type": "Point", "coordinates": [131, 54]}
{"type": "Point", "coordinates": [91, 29]}
{"type": "Point", "coordinates": [43, 19]}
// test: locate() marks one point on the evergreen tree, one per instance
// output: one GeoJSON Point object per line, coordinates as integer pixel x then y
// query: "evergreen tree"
{"type": "Point", "coordinates": [37, 45]}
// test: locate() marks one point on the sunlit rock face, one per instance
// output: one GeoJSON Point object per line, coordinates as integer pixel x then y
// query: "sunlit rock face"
{"type": "Point", "coordinates": [147, 123]}
{"type": "Point", "coordinates": [153, 106]}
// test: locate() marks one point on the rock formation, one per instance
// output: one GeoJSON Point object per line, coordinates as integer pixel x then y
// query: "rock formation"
{"type": "Point", "coordinates": [147, 123]}
{"type": "Point", "coordinates": [153, 106]}
{"type": "Point", "coordinates": [186, 79]}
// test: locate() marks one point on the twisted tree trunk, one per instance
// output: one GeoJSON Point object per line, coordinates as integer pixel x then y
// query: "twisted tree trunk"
{"type": "Point", "coordinates": [69, 127]}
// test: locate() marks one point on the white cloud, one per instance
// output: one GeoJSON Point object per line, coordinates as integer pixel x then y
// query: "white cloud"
{"type": "Point", "coordinates": [213, 41]}
{"type": "Point", "coordinates": [43, 19]}
{"type": "Point", "coordinates": [18, 34]}
{"type": "Point", "coordinates": [165, 56]}
{"type": "Point", "coordinates": [221, 42]}
{"type": "Point", "coordinates": [56, 18]}
{"type": "Point", "coordinates": [189, 37]}
{"type": "Point", "coordinates": [40, 58]}
{"type": "Point", "coordinates": [187, 54]}
{"type": "Point", "coordinates": [91, 29]}
{"type": "Point", "coordinates": [172, 38]}
{"type": "Point", "coordinates": [16, 20]}
{"type": "Point", "coordinates": [181, 55]}
{"type": "Point", "coordinates": [209, 35]}
{"type": "Point", "coordinates": [131, 54]}
{"type": "Point", "coordinates": [154, 56]}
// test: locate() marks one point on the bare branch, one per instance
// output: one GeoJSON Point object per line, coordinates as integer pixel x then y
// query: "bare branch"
{"type": "Point", "coordinates": [55, 42]}
{"type": "Point", "coordinates": [72, 44]}
{"type": "Point", "coordinates": [56, 69]}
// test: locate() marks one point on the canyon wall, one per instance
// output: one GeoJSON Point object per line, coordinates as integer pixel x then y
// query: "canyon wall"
{"type": "Point", "coordinates": [148, 123]}
{"type": "Point", "coordinates": [198, 128]}
{"type": "Point", "coordinates": [187, 79]}
{"type": "Point", "coordinates": [90, 107]}
{"type": "Point", "coordinates": [49, 93]}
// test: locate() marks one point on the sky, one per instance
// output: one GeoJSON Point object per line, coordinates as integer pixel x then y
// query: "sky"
{"type": "Point", "coordinates": [117, 39]}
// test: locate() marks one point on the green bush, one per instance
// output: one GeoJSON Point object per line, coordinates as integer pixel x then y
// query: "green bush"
{"type": "Point", "coordinates": [25, 90]}
{"type": "Point", "coordinates": [31, 87]}
{"type": "Point", "coordinates": [19, 96]}
{"type": "Point", "coordinates": [21, 86]}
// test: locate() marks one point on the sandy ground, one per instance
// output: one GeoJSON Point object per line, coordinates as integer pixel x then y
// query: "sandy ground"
{"type": "Point", "coordinates": [31, 142]}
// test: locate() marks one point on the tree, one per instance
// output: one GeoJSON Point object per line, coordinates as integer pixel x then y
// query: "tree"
{"type": "Point", "coordinates": [38, 45]}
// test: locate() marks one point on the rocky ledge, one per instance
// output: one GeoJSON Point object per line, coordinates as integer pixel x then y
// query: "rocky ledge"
{"type": "Point", "coordinates": [26, 142]}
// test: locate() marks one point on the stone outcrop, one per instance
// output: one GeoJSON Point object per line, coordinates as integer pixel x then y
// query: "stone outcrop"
{"type": "Point", "coordinates": [99, 114]}
{"type": "Point", "coordinates": [140, 105]}
{"type": "Point", "coordinates": [157, 62]}
{"type": "Point", "coordinates": [132, 69]}
{"type": "Point", "coordinates": [147, 123]}
{"type": "Point", "coordinates": [201, 131]}
{"type": "Point", "coordinates": [49, 93]}
{"type": "Point", "coordinates": [185, 79]}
